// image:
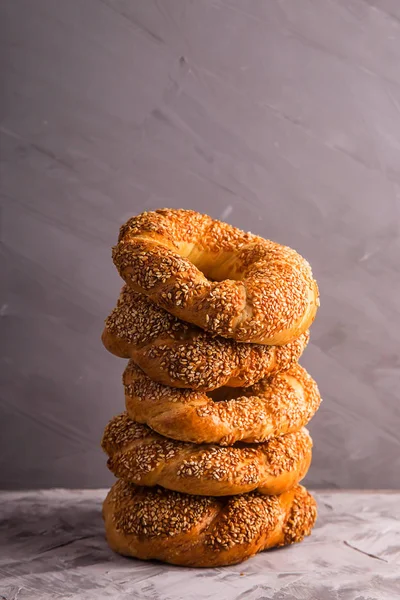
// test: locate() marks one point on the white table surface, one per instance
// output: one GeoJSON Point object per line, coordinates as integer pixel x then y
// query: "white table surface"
{"type": "Point", "coordinates": [52, 546]}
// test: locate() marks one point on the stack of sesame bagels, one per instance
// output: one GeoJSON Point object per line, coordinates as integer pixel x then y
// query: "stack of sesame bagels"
{"type": "Point", "coordinates": [212, 445]}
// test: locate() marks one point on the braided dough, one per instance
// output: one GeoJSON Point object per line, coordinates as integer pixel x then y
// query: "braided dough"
{"type": "Point", "coordinates": [202, 531]}
{"type": "Point", "coordinates": [179, 354]}
{"type": "Point", "coordinates": [224, 280]}
{"type": "Point", "coordinates": [139, 455]}
{"type": "Point", "coordinates": [280, 404]}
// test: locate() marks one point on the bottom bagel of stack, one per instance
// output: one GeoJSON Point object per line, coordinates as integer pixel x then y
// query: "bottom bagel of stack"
{"type": "Point", "coordinates": [203, 531]}
{"type": "Point", "coordinates": [243, 498]}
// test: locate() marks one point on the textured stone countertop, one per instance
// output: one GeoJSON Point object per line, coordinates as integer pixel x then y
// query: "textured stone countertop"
{"type": "Point", "coordinates": [52, 546]}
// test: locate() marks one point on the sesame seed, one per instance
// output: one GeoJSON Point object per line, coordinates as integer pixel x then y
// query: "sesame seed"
{"type": "Point", "coordinates": [302, 517]}
{"type": "Point", "coordinates": [155, 512]}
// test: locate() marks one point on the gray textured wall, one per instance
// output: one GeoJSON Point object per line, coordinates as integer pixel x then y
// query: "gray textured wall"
{"type": "Point", "coordinates": [282, 117]}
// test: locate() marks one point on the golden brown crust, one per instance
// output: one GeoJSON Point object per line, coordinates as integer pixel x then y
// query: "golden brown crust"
{"type": "Point", "coordinates": [280, 404]}
{"type": "Point", "coordinates": [141, 456]}
{"type": "Point", "coordinates": [228, 282]}
{"type": "Point", "coordinates": [179, 354]}
{"type": "Point", "coordinates": [202, 531]}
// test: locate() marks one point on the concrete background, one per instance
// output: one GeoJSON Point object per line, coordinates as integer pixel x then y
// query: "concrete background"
{"type": "Point", "coordinates": [282, 117]}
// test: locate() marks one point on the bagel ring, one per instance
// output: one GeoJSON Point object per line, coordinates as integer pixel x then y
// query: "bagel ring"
{"type": "Point", "coordinates": [280, 404]}
{"type": "Point", "coordinates": [211, 274]}
{"type": "Point", "coordinates": [179, 354]}
{"type": "Point", "coordinates": [141, 456]}
{"type": "Point", "coordinates": [202, 531]}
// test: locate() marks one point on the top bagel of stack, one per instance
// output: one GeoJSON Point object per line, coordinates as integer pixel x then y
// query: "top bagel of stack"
{"type": "Point", "coordinates": [226, 281]}
{"type": "Point", "coordinates": [213, 320]}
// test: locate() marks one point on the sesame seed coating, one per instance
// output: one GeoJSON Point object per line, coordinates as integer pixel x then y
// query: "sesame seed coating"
{"type": "Point", "coordinates": [156, 512]}
{"type": "Point", "coordinates": [244, 518]}
{"type": "Point", "coordinates": [179, 354]}
{"type": "Point", "coordinates": [155, 523]}
{"type": "Point", "coordinates": [228, 282]}
{"type": "Point", "coordinates": [301, 520]}
{"type": "Point", "coordinates": [143, 457]}
{"type": "Point", "coordinates": [276, 405]}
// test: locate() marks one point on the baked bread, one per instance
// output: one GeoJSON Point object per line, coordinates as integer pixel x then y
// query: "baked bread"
{"type": "Point", "coordinates": [202, 531]}
{"type": "Point", "coordinates": [141, 456]}
{"type": "Point", "coordinates": [226, 281]}
{"type": "Point", "coordinates": [179, 354]}
{"type": "Point", "coordinates": [280, 404]}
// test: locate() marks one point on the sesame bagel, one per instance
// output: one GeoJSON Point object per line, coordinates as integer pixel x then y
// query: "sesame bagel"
{"type": "Point", "coordinates": [228, 282]}
{"type": "Point", "coordinates": [179, 354]}
{"type": "Point", "coordinates": [202, 531]}
{"type": "Point", "coordinates": [141, 456]}
{"type": "Point", "coordinates": [276, 405]}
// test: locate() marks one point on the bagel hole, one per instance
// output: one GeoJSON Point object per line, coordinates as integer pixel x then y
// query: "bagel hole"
{"type": "Point", "coordinates": [226, 393]}
{"type": "Point", "coordinates": [215, 266]}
